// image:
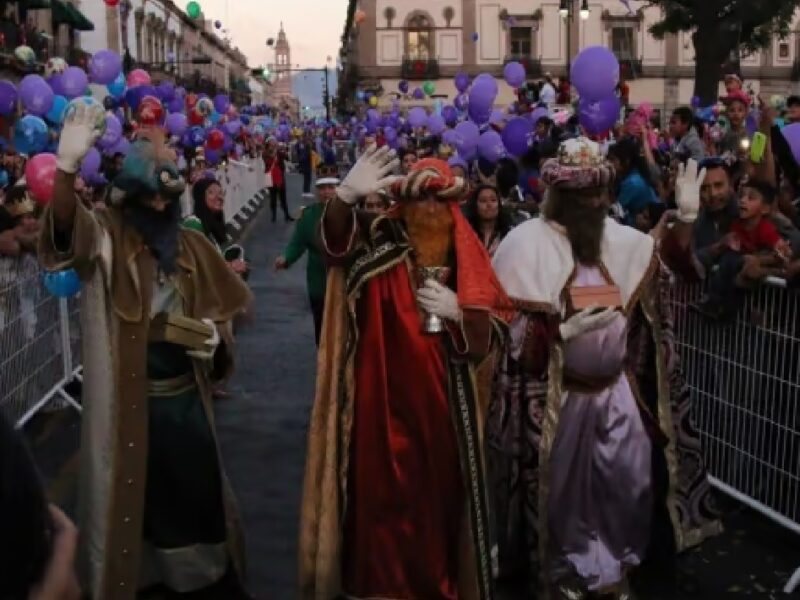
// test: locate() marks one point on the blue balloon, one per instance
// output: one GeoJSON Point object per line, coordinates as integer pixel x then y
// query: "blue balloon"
{"type": "Point", "coordinates": [117, 87]}
{"type": "Point", "coordinates": [56, 114]}
{"type": "Point", "coordinates": [197, 135]}
{"type": "Point", "coordinates": [3, 178]}
{"type": "Point", "coordinates": [62, 284]}
{"type": "Point", "coordinates": [214, 117]}
{"type": "Point", "coordinates": [244, 119]}
{"type": "Point", "coordinates": [30, 135]}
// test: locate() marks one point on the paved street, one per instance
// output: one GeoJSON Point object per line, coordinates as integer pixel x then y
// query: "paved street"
{"type": "Point", "coordinates": [263, 435]}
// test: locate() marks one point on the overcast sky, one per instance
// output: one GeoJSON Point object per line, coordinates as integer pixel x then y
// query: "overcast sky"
{"type": "Point", "coordinates": [313, 27]}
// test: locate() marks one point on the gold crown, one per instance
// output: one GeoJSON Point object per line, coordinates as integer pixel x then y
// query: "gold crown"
{"type": "Point", "coordinates": [580, 152]}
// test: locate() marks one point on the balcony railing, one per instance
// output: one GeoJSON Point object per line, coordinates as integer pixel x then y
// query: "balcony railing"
{"type": "Point", "coordinates": [630, 68]}
{"type": "Point", "coordinates": [420, 68]}
{"type": "Point", "coordinates": [533, 66]}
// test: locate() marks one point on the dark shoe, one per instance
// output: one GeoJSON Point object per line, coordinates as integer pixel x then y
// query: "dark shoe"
{"type": "Point", "coordinates": [289, 219]}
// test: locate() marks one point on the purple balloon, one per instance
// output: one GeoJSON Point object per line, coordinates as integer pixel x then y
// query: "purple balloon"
{"type": "Point", "coordinates": [74, 82]}
{"type": "Point", "coordinates": [466, 137]}
{"type": "Point", "coordinates": [482, 95]}
{"type": "Point", "coordinates": [104, 67]}
{"type": "Point", "coordinates": [461, 102]}
{"type": "Point", "coordinates": [478, 114]}
{"type": "Point", "coordinates": [490, 146]}
{"type": "Point", "coordinates": [175, 105]}
{"type": "Point", "coordinates": [417, 117]}
{"type": "Point", "coordinates": [112, 134]}
{"type": "Point", "coordinates": [516, 135]}
{"type": "Point", "coordinates": [8, 97]}
{"type": "Point", "coordinates": [436, 124]}
{"type": "Point", "coordinates": [55, 84]}
{"type": "Point", "coordinates": [135, 95]}
{"type": "Point", "coordinates": [390, 133]}
{"type": "Point", "coordinates": [449, 137]}
{"type": "Point", "coordinates": [166, 91]}
{"type": "Point", "coordinates": [488, 80]}
{"type": "Point", "coordinates": [450, 115]}
{"type": "Point", "coordinates": [418, 94]}
{"type": "Point", "coordinates": [537, 114]}
{"type": "Point", "coordinates": [462, 82]}
{"type": "Point", "coordinates": [514, 74]}
{"type": "Point", "coordinates": [599, 117]}
{"type": "Point", "coordinates": [373, 115]}
{"type": "Point", "coordinates": [403, 86]}
{"type": "Point", "coordinates": [91, 164]}
{"type": "Point", "coordinates": [221, 103]}
{"type": "Point", "coordinates": [36, 95]}
{"type": "Point", "coordinates": [212, 156]}
{"type": "Point", "coordinates": [595, 73]}
{"type": "Point", "coordinates": [176, 123]}
{"type": "Point", "coordinates": [233, 127]}
{"type": "Point", "coordinates": [496, 117]}
{"type": "Point", "coordinates": [792, 135]}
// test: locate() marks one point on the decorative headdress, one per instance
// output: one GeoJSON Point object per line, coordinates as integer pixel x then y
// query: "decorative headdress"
{"type": "Point", "coordinates": [579, 164]}
{"type": "Point", "coordinates": [149, 168]}
{"type": "Point", "coordinates": [430, 176]}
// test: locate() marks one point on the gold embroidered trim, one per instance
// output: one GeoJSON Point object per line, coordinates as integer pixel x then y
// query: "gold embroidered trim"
{"type": "Point", "coordinates": [652, 269]}
{"type": "Point", "coordinates": [536, 307]}
{"type": "Point", "coordinates": [324, 239]}
{"type": "Point", "coordinates": [550, 420]}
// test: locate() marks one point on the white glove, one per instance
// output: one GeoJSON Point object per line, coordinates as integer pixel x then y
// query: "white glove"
{"type": "Point", "coordinates": [369, 174]}
{"type": "Point", "coordinates": [79, 134]}
{"type": "Point", "coordinates": [211, 344]}
{"type": "Point", "coordinates": [439, 300]}
{"type": "Point", "coordinates": [687, 191]}
{"type": "Point", "coordinates": [585, 321]}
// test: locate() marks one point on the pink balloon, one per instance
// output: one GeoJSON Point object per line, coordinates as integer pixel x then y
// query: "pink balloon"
{"type": "Point", "coordinates": [138, 77]}
{"type": "Point", "coordinates": [40, 173]}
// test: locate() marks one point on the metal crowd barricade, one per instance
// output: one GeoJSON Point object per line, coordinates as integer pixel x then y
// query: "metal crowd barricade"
{"type": "Point", "coordinates": [744, 377]}
{"type": "Point", "coordinates": [40, 334]}
{"type": "Point", "coordinates": [37, 344]}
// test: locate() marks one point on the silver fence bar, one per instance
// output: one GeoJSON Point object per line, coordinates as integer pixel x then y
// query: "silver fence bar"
{"type": "Point", "coordinates": [40, 334]}
{"type": "Point", "coordinates": [35, 346]}
{"type": "Point", "coordinates": [745, 379]}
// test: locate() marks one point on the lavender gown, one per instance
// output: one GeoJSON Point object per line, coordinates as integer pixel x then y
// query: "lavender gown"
{"type": "Point", "coordinates": [600, 498]}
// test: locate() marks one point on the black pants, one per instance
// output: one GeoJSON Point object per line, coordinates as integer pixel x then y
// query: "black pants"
{"type": "Point", "coordinates": [306, 181]}
{"type": "Point", "coordinates": [317, 309]}
{"type": "Point", "coordinates": [722, 289]}
{"type": "Point", "coordinates": [274, 194]}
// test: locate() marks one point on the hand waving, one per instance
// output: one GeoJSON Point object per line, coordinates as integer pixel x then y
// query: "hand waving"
{"type": "Point", "coordinates": [687, 191]}
{"type": "Point", "coordinates": [79, 134]}
{"type": "Point", "coordinates": [370, 174]}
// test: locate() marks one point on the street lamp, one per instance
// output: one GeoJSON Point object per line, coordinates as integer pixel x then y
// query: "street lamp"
{"type": "Point", "coordinates": [566, 9]}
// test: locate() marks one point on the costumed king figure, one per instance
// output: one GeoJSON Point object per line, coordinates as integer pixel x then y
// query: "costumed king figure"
{"type": "Point", "coordinates": [597, 463]}
{"type": "Point", "coordinates": [394, 503]}
{"type": "Point", "coordinates": [154, 503]}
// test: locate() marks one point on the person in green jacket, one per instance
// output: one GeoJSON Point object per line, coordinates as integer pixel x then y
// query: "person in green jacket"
{"type": "Point", "coordinates": [305, 239]}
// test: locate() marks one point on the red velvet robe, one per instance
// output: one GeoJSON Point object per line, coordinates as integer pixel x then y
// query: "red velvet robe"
{"type": "Point", "coordinates": [405, 498]}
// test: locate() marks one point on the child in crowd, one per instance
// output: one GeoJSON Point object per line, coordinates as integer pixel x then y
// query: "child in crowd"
{"type": "Point", "coordinates": [737, 106]}
{"type": "Point", "coordinates": [753, 242]}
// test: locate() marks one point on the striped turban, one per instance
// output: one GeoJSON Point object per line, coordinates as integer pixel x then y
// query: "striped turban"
{"type": "Point", "coordinates": [430, 176]}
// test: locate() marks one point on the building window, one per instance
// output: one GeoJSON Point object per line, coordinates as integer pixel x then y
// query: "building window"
{"type": "Point", "coordinates": [623, 40]}
{"type": "Point", "coordinates": [520, 41]}
{"type": "Point", "coordinates": [419, 38]}
{"type": "Point", "coordinates": [783, 50]}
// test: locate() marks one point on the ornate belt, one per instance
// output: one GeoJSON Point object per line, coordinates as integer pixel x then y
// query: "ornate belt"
{"type": "Point", "coordinates": [175, 386]}
{"type": "Point", "coordinates": [583, 384]}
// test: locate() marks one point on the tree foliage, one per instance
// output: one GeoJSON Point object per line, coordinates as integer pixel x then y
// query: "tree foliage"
{"type": "Point", "coordinates": [722, 29]}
